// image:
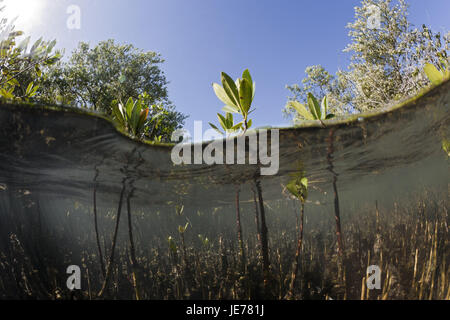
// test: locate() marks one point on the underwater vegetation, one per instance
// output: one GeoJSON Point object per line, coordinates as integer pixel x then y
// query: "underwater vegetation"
{"type": "Point", "coordinates": [408, 239]}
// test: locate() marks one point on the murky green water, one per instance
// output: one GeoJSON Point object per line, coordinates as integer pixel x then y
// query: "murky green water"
{"type": "Point", "coordinates": [64, 174]}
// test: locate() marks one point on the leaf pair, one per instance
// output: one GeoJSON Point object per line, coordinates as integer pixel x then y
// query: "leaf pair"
{"type": "Point", "coordinates": [227, 124]}
{"type": "Point", "coordinates": [298, 187]}
{"type": "Point", "coordinates": [182, 229]}
{"type": "Point", "coordinates": [314, 111]}
{"type": "Point", "coordinates": [31, 90]}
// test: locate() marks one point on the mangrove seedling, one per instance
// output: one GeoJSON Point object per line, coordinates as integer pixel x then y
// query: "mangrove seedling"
{"type": "Point", "coordinates": [238, 97]}
{"type": "Point", "coordinates": [131, 117]}
{"type": "Point", "coordinates": [204, 240]}
{"type": "Point", "coordinates": [298, 187]}
{"type": "Point", "coordinates": [314, 111]}
{"type": "Point", "coordinates": [172, 246]}
{"type": "Point", "coordinates": [227, 124]}
{"type": "Point", "coordinates": [181, 231]}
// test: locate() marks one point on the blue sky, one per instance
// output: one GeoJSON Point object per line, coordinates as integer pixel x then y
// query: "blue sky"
{"type": "Point", "coordinates": [275, 39]}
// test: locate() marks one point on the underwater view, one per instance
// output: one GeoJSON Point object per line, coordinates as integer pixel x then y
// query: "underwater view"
{"type": "Point", "coordinates": [104, 196]}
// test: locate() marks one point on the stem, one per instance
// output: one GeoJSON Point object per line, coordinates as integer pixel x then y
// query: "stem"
{"type": "Point", "coordinates": [100, 254]}
{"type": "Point", "coordinates": [111, 258]}
{"type": "Point", "coordinates": [132, 248]}
{"type": "Point", "coordinates": [258, 228]}
{"type": "Point", "coordinates": [336, 195]}
{"type": "Point", "coordinates": [297, 253]}
{"type": "Point", "coordinates": [239, 232]}
{"type": "Point", "coordinates": [264, 241]}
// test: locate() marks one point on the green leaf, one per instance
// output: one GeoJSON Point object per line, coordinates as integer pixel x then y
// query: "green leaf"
{"type": "Point", "coordinates": [324, 107]}
{"type": "Point", "coordinates": [142, 118]}
{"type": "Point", "coordinates": [249, 123]}
{"type": "Point", "coordinates": [222, 121]}
{"type": "Point", "coordinates": [433, 74]}
{"type": "Point", "coordinates": [230, 109]}
{"type": "Point", "coordinates": [33, 91]}
{"type": "Point", "coordinates": [245, 95]}
{"type": "Point", "coordinates": [215, 128]}
{"type": "Point", "coordinates": [246, 75]}
{"type": "Point", "coordinates": [182, 229]}
{"type": "Point", "coordinates": [292, 188]}
{"type": "Point", "coordinates": [35, 46]}
{"type": "Point", "coordinates": [237, 126]}
{"type": "Point", "coordinates": [13, 82]}
{"type": "Point", "coordinates": [314, 107]}
{"type": "Point", "coordinates": [230, 89]}
{"type": "Point", "coordinates": [29, 88]}
{"type": "Point", "coordinates": [222, 95]}
{"type": "Point", "coordinates": [229, 118]}
{"type": "Point", "coordinates": [6, 94]}
{"type": "Point", "coordinates": [117, 112]}
{"type": "Point", "coordinates": [38, 71]}
{"type": "Point", "coordinates": [135, 115]}
{"type": "Point", "coordinates": [254, 90]}
{"type": "Point", "coordinates": [329, 116]}
{"type": "Point", "coordinates": [129, 107]}
{"type": "Point", "coordinates": [304, 182]}
{"type": "Point", "coordinates": [24, 44]}
{"type": "Point", "coordinates": [50, 46]}
{"type": "Point", "coordinates": [301, 110]}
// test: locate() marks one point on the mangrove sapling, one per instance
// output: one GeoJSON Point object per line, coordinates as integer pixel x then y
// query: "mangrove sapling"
{"type": "Point", "coordinates": [320, 112]}
{"type": "Point", "coordinates": [298, 187]}
{"type": "Point", "coordinates": [314, 111]}
{"type": "Point", "coordinates": [189, 279]}
{"type": "Point", "coordinates": [238, 97]}
{"type": "Point", "coordinates": [131, 116]}
{"type": "Point", "coordinates": [181, 231]}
